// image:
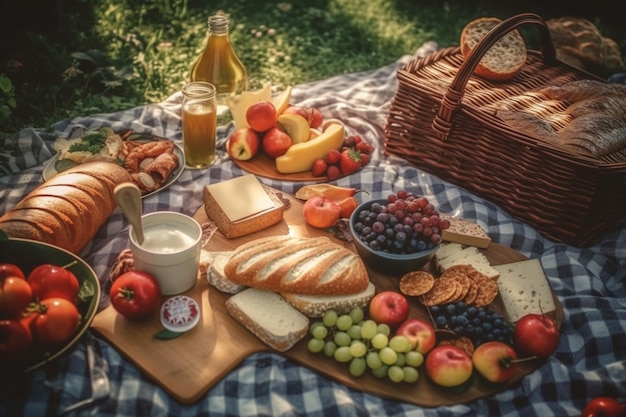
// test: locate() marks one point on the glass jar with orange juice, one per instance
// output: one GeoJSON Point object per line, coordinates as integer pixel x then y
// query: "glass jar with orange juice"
{"type": "Point", "coordinates": [199, 114]}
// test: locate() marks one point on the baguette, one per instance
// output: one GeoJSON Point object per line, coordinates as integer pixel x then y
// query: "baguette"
{"type": "Point", "coordinates": [269, 317]}
{"type": "Point", "coordinates": [504, 59]}
{"type": "Point", "coordinates": [68, 210]}
{"type": "Point", "coordinates": [312, 266]}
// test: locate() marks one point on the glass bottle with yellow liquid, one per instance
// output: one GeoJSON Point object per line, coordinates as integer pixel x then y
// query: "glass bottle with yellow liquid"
{"type": "Point", "coordinates": [220, 66]}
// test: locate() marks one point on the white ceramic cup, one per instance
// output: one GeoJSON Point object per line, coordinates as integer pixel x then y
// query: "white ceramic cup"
{"type": "Point", "coordinates": [170, 251]}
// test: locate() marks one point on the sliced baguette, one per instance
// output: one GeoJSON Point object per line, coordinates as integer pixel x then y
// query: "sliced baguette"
{"type": "Point", "coordinates": [316, 305]}
{"type": "Point", "coordinates": [504, 59]}
{"type": "Point", "coordinates": [217, 278]}
{"type": "Point", "coordinates": [312, 266]}
{"type": "Point", "coordinates": [269, 317]}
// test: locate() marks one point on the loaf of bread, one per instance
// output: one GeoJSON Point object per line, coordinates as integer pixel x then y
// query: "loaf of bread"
{"type": "Point", "coordinates": [269, 317]}
{"type": "Point", "coordinates": [317, 305]}
{"type": "Point", "coordinates": [504, 59]}
{"type": "Point", "coordinates": [579, 43]}
{"type": "Point", "coordinates": [313, 266]}
{"type": "Point", "coordinates": [69, 209]}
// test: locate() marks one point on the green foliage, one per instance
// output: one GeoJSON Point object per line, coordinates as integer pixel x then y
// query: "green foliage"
{"type": "Point", "coordinates": [117, 54]}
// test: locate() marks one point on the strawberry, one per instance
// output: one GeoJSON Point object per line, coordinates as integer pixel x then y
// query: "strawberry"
{"type": "Point", "coordinates": [350, 161]}
{"type": "Point", "coordinates": [365, 158]}
{"type": "Point", "coordinates": [333, 172]}
{"type": "Point", "coordinates": [333, 156]}
{"type": "Point", "coordinates": [319, 168]}
{"type": "Point", "coordinates": [364, 147]}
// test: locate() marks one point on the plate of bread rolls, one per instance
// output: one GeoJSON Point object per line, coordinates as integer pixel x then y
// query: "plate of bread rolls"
{"type": "Point", "coordinates": [153, 162]}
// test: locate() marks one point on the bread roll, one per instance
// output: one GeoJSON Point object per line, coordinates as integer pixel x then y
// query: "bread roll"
{"type": "Point", "coordinates": [313, 266]}
{"type": "Point", "coordinates": [68, 209]}
{"type": "Point", "coordinates": [504, 59]}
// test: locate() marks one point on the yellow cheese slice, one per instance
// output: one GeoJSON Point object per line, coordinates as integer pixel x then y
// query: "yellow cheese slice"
{"type": "Point", "coordinates": [239, 105]}
{"type": "Point", "coordinates": [241, 197]}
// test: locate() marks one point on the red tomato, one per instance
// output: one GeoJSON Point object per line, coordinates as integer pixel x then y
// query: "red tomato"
{"type": "Point", "coordinates": [15, 342]}
{"type": "Point", "coordinates": [51, 281]}
{"type": "Point", "coordinates": [135, 295]}
{"type": "Point", "coordinates": [11, 270]}
{"type": "Point", "coordinates": [604, 407]}
{"type": "Point", "coordinates": [53, 321]}
{"type": "Point", "coordinates": [15, 295]}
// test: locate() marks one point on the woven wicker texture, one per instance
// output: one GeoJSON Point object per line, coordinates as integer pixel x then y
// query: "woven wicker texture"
{"type": "Point", "coordinates": [443, 120]}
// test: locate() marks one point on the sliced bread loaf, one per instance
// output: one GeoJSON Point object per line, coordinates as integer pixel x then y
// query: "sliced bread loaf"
{"type": "Point", "coordinates": [269, 317]}
{"type": "Point", "coordinates": [504, 59]}
{"type": "Point", "coordinates": [216, 277]}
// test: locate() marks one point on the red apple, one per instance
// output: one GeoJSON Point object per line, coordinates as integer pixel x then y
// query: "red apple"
{"type": "Point", "coordinates": [420, 333]}
{"type": "Point", "coordinates": [448, 366]}
{"type": "Point", "coordinates": [389, 307]}
{"type": "Point", "coordinates": [243, 144]}
{"type": "Point", "coordinates": [302, 111]}
{"type": "Point", "coordinates": [536, 335]}
{"type": "Point", "coordinates": [316, 118]}
{"type": "Point", "coordinates": [321, 212]}
{"type": "Point", "coordinates": [276, 142]}
{"type": "Point", "coordinates": [495, 361]}
{"type": "Point", "coordinates": [261, 116]}
{"type": "Point", "coordinates": [604, 407]}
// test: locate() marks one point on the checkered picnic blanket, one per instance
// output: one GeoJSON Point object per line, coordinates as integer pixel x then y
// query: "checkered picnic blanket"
{"type": "Point", "coordinates": [590, 360]}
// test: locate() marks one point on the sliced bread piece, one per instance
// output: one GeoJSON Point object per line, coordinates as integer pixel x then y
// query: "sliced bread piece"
{"type": "Point", "coordinates": [269, 317]}
{"type": "Point", "coordinates": [524, 289]}
{"type": "Point", "coordinates": [504, 59]}
{"type": "Point", "coordinates": [316, 306]}
{"type": "Point", "coordinates": [216, 277]}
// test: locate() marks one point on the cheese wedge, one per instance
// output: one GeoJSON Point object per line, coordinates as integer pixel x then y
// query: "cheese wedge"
{"type": "Point", "coordinates": [524, 289]}
{"type": "Point", "coordinates": [475, 259]}
{"type": "Point", "coordinates": [465, 232]}
{"type": "Point", "coordinates": [239, 105]}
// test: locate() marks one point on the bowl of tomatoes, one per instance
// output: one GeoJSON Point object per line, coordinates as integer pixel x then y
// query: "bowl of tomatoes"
{"type": "Point", "coordinates": [48, 299]}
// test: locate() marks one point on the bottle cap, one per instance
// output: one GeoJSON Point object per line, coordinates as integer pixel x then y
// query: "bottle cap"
{"type": "Point", "coordinates": [180, 313]}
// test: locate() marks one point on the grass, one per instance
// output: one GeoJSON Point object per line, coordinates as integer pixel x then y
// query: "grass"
{"type": "Point", "coordinates": [80, 57]}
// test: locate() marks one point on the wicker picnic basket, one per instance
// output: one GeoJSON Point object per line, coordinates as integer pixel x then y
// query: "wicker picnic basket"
{"type": "Point", "coordinates": [442, 121]}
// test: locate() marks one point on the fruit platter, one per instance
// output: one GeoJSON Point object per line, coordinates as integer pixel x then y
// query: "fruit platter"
{"type": "Point", "coordinates": [397, 323]}
{"type": "Point", "coordinates": [279, 140]}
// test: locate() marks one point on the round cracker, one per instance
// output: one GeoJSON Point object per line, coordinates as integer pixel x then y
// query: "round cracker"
{"type": "Point", "coordinates": [416, 283]}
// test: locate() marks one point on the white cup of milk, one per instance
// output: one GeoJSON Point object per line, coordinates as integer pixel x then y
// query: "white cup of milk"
{"type": "Point", "coordinates": [170, 251]}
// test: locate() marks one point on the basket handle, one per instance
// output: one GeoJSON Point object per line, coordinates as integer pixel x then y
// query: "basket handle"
{"type": "Point", "coordinates": [454, 93]}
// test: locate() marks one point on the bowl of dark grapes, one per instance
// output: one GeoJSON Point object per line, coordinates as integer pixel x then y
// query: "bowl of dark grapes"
{"type": "Point", "coordinates": [398, 234]}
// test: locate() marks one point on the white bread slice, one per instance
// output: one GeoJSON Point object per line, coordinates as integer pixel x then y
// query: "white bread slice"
{"type": "Point", "coordinates": [504, 59]}
{"type": "Point", "coordinates": [477, 260]}
{"type": "Point", "coordinates": [269, 317]}
{"type": "Point", "coordinates": [316, 306]}
{"type": "Point", "coordinates": [305, 265]}
{"type": "Point", "coordinates": [465, 232]}
{"type": "Point", "coordinates": [217, 278]}
{"type": "Point", "coordinates": [524, 289]}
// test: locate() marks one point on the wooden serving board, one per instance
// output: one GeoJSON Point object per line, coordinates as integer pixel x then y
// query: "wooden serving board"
{"type": "Point", "coordinates": [188, 366]}
{"type": "Point", "coordinates": [264, 166]}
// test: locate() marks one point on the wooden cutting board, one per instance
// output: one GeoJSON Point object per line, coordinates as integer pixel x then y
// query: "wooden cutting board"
{"type": "Point", "coordinates": [188, 366]}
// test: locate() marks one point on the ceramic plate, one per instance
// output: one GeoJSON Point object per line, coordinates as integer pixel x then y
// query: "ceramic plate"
{"type": "Point", "coordinates": [50, 170]}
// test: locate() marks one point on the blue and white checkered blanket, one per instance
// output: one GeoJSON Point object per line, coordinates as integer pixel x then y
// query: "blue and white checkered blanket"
{"type": "Point", "coordinates": [590, 360]}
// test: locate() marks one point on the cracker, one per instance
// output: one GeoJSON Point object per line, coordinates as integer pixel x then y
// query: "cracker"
{"type": "Point", "coordinates": [416, 283]}
{"type": "Point", "coordinates": [443, 289]}
{"type": "Point", "coordinates": [487, 290]}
